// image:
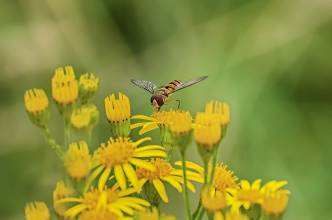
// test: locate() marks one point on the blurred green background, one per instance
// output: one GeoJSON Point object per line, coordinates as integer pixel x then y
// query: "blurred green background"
{"type": "Point", "coordinates": [270, 59]}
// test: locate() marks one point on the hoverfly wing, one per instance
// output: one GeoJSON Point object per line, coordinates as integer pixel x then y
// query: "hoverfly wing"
{"type": "Point", "coordinates": [144, 84]}
{"type": "Point", "coordinates": [189, 83]}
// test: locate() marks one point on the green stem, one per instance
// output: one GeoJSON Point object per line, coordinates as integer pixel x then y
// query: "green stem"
{"type": "Point", "coordinates": [89, 132]}
{"type": "Point", "coordinates": [199, 209]}
{"type": "Point", "coordinates": [214, 163]}
{"type": "Point", "coordinates": [66, 133]}
{"type": "Point", "coordinates": [186, 196]}
{"type": "Point", "coordinates": [200, 214]}
{"type": "Point", "coordinates": [50, 140]}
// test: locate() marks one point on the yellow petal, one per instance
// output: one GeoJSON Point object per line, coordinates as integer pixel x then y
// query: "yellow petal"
{"type": "Point", "coordinates": [189, 173]}
{"type": "Point", "coordinates": [103, 178]}
{"type": "Point", "coordinates": [92, 177]}
{"type": "Point", "coordinates": [134, 200]}
{"type": "Point", "coordinates": [191, 165]}
{"type": "Point", "coordinates": [74, 211]}
{"type": "Point", "coordinates": [159, 186]}
{"type": "Point", "coordinates": [114, 210]}
{"type": "Point", "coordinates": [64, 200]}
{"type": "Point", "coordinates": [142, 163]}
{"type": "Point", "coordinates": [123, 208]}
{"type": "Point", "coordinates": [143, 117]}
{"type": "Point", "coordinates": [131, 174]}
{"type": "Point", "coordinates": [257, 184]}
{"type": "Point", "coordinates": [191, 186]}
{"type": "Point", "coordinates": [245, 184]}
{"type": "Point", "coordinates": [126, 192]}
{"type": "Point", "coordinates": [173, 182]}
{"type": "Point", "coordinates": [141, 182]}
{"type": "Point", "coordinates": [136, 143]}
{"type": "Point", "coordinates": [218, 216]}
{"type": "Point", "coordinates": [150, 153]}
{"type": "Point", "coordinates": [149, 147]}
{"type": "Point", "coordinates": [120, 177]}
{"type": "Point", "coordinates": [131, 204]}
{"type": "Point", "coordinates": [136, 125]}
{"type": "Point", "coordinates": [149, 126]}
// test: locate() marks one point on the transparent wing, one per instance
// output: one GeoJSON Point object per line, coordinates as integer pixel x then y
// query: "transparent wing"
{"type": "Point", "coordinates": [144, 84]}
{"type": "Point", "coordinates": [189, 83]}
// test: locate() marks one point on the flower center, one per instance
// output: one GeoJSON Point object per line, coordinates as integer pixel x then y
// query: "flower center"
{"type": "Point", "coordinates": [115, 152]}
{"type": "Point", "coordinates": [163, 168]}
{"type": "Point", "coordinates": [224, 178]}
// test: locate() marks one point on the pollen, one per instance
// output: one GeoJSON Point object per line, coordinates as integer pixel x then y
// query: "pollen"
{"type": "Point", "coordinates": [224, 178]}
{"type": "Point", "coordinates": [78, 160]}
{"type": "Point", "coordinates": [64, 86]}
{"type": "Point", "coordinates": [35, 100]}
{"type": "Point", "coordinates": [115, 152]}
{"type": "Point", "coordinates": [117, 110]}
{"type": "Point", "coordinates": [163, 169]}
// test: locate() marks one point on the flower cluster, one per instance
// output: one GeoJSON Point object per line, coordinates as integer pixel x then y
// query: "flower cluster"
{"type": "Point", "coordinates": [127, 178]}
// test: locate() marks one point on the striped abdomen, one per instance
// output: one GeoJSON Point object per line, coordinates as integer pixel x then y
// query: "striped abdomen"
{"type": "Point", "coordinates": [169, 88]}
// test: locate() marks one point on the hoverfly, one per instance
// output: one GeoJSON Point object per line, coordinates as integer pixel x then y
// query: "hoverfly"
{"type": "Point", "coordinates": [160, 95]}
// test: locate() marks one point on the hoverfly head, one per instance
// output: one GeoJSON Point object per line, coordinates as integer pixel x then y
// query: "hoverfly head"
{"type": "Point", "coordinates": [157, 101]}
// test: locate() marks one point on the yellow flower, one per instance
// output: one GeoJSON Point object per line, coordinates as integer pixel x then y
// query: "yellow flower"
{"type": "Point", "coordinates": [153, 214]}
{"type": "Point", "coordinates": [88, 85]}
{"type": "Point", "coordinates": [207, 132]}
{"type": "Point", "coordinates": [220, 112]}
{"type": "Point", "coordinates": [159, 119]}
{"type": "Point", "coordinates": [101, 215]}
{"type": "Point", "coordinates": [85, 117]}
{"type": "Point", "coordinates": [213, 201]}
{"type": "Point", "coordinates": [109, 202]}
{"type": "Point", "coordinates": [36, 211]}
{"type": "Point", "coordinates": [78, 160]}
{"type": "Point", "coordinates": [119, 155]}
{"type": "Point", "coordinates": [164, 172]}
{"type": "Point", "coordinates": [61, 191]}
{"type": "Point", "coordinates": [180, 127]}
{"type": "Point", "coordinates": [180, 123]}
{"type": "Point", "coordinates": [118, 114]}
{"type": "Point", "coordinates": [235, 215]}
{"type": "Point", "coordinates": [117, 110]}
{"type": "Point", "coordinates": [224, 178]}
{"type": "Point", "coordinates": [275, 200]}
{"type": "Point", "coordinates": [247, 195]}
{"type": "Point", "coordinates": [64, 86]}
{"type": "Point", "coordinates": [35, 101]}
{"type": "Point", "coordinates": [36, 105]}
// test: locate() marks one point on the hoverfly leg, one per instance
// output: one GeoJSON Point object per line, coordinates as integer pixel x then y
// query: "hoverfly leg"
{"type": "Point", "coordinates": [179, 102]}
